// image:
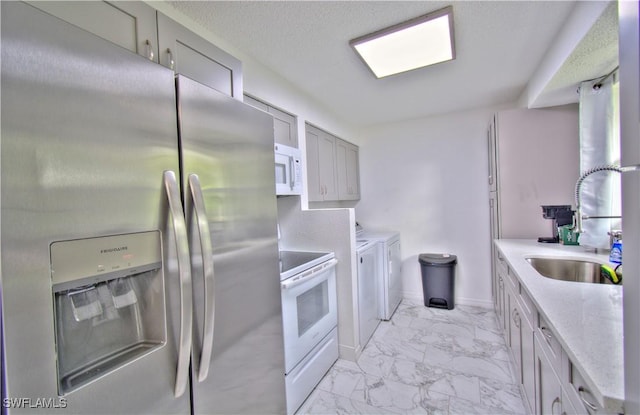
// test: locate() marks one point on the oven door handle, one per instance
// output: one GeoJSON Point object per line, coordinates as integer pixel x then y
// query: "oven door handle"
{"type": "Point", "coordinates": [308, 275]}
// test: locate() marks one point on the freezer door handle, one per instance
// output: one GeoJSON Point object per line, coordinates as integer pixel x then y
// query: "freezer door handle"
{"type": "Point", "coordinates": [197, 208]}
{"type": "Point", "coordinates": [184, 271]}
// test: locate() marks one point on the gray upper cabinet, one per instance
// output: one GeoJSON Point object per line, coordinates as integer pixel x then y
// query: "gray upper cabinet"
{"type": "Point", "coordinates": [139, 28]}
{"type": "Point", "coordinates": [285, 128]}
{"type": "Point", "coordinates": [131, 25]}
{"type": "Point", "coordinates": [256, 103]}
{"type": "Point", "coordinates": [348, 171]}
{"type": "Point", "coordinates": [284, 124]}
{"type": "Point", "coordinates": [194, 57]}
{"type": "Point", "coordinates": [332, 167]}
{"type": "Point", "coordinates": [321, 165]}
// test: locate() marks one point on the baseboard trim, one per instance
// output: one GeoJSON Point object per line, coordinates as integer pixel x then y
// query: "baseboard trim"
{"type": "Point", "coordinates": [458, 300]}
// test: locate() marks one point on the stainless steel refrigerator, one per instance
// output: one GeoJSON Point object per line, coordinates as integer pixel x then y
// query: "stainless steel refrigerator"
{"type": "Point", "coordinates": [138, 250]}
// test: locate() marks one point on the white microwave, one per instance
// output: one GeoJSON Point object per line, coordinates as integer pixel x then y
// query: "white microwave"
{"type": "Point", "coordinates": [288, 170]}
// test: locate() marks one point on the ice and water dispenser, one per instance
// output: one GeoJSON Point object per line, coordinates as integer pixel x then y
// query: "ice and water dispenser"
{"type": "Point", "coordinates": [109, 304]}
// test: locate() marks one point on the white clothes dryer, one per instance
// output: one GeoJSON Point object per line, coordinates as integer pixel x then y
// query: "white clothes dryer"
{"type": "Point", "coordinates": [390, 266]}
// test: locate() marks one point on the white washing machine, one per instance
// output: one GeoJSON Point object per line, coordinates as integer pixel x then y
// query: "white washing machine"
{"type": "Point", "coordinates": [390, 269]}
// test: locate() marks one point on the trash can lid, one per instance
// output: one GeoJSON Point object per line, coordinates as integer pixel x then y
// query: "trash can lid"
{"type": "Point", "coordinates": [437, 259]}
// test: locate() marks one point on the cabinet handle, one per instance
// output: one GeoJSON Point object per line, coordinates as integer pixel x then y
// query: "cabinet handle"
{"type": "Point", "coordinates": [516, 318]}
{"type": "Point", "coordinates": [553, 404]}
{"type": "Point", "coordinates": [582, 391]}
{"type": "Point", "coordinates": [149, 49]}
{"type": "Point", "coordinates": [170, 60]}
{"type": "Point", "coordinates": [547, 334]}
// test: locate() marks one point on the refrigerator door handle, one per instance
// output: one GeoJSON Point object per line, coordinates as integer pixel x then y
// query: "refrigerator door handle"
{"type": "Point", "coordinates": [197, 199]}
{"type": "Point", "coordinates": [184, 271]}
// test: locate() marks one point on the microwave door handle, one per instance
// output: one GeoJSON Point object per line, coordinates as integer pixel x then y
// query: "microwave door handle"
{"type": "Point", "coordinates": [309, 275]}
{"type": "Point", "coordinates": [184, 272]}
{"type": "Point", "coordinates": [195, 192]}
{"type": "Point", "coordinates": [292, 172]}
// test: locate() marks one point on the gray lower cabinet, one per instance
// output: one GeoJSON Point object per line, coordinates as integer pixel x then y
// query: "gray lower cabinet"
{"type": "Point", "coordinates": [285, 127]}
{"type": "Point", "coordinates": [550, 383]}
{"type": "Point", "coordinates": [548, 386]}
{"type": "Point", "coordinates": [515, 315]}
{"type": "Point", "coordinates": [501, 300]}
{"type": "Point", "coordinates": [138, 27]}
{"type": "Point", "coordinates": [553, 395]}
{"type": "Point", "coordinates": [129, 24]}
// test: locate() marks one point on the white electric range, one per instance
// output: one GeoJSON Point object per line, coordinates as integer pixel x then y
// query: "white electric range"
{"type": "Point", "coordinates": [310, 317]}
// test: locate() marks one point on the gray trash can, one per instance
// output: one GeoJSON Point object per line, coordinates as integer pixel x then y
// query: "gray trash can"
{"type": "Point", "coordinates": [438, 279]}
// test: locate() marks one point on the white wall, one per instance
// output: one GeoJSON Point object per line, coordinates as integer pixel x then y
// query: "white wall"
{"type": "Point", "coordinates": [427, 178]}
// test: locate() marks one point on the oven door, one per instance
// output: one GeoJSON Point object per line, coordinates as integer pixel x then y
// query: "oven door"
{"type": "Point", "coordinates": [309, 310]}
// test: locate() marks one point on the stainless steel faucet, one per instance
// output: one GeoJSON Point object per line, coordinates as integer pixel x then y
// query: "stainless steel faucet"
{"type": "Point", "coordinates": [579, 217]}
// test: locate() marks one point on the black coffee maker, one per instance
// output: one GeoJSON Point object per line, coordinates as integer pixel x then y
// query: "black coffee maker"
{"type": "Point", "coordinates": [560, 215]}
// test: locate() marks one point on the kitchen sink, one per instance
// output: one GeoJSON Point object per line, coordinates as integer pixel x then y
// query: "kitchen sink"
{"type": "Point", "coordinates": [569, 269]}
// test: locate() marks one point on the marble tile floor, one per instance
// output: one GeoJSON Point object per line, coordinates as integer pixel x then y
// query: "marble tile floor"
{"type": "Point", "coordinates": [424, 361]}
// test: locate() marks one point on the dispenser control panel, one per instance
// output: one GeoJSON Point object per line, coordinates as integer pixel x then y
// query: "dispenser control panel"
{"type": "Point", "coordinates": [94, 260]}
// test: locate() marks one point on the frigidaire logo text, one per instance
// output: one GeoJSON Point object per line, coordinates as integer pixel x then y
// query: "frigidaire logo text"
{"type": "Point", "coordinates": [117, 249]}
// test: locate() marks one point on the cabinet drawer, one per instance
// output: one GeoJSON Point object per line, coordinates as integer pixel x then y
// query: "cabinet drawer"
{"type": "Point", "coordinates": [528, 308]}
{"type": "Point", "coordinates": [501, 263]}
{"type": "Point", "coordinates": [509, 276]}
{"type": "Point", "coordinates": [549, 342]}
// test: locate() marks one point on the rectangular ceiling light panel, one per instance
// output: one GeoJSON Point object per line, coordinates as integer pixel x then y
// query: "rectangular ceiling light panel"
{"type": "Point", "coordinates": [419, 42]}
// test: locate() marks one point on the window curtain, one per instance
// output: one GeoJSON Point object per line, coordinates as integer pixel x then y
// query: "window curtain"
{"type": "Point", "coordinates": [600, 145]}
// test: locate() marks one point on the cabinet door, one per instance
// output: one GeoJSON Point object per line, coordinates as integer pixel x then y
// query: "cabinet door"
{"type": "Point", "coordinates": [256, 103]}
{"type": "Point", "coordinates": [131, 25]}
{"type": "Point", "coordinates": [548, 387]}
{"type": "Point", "coordinates": [314, 187]}
{"type": "Point", "coordinates": [514, 335]}
{"type": "Point", "coordinates": [285, 127]}
{"type": "Point", "coordinates": [327, 166]}
{"type": "Point", "coordinates": [194, 57]}
{"type": "Point", "coordinates": [528, 363]}
{"type": "Point", "coordinates": [493, 221]}
{"type": "Point", "coordinates": [347, 166]}
{"type": "Point", "coordinates": [500, 301]}
{"type": "Point", "coordinates": [491, 146]}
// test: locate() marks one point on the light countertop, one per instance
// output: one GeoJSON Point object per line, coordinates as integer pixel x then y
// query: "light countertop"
{"type": "Point", "coordinates": [587, 318]}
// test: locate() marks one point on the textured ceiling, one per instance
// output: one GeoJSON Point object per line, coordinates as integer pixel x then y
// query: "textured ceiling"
{"type": "Point", "coordinates": [498, 47]}
{"type": "Point", "coordinates": [596, 55]}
